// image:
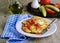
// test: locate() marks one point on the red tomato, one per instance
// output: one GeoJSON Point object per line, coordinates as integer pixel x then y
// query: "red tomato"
{"type": "Point", "coordinates": [33, 22]}
{"type": "Point", "coordinates": [38, 33]}
{"type": "Point", "coordinates": [34, 18]}
{"type": "Point", "coordinates": [45, 1]}
{"type": "Point", "coordinates": [25, 28]}
{"type": "Point", "coordinates": [27, 25]}
{"type": "Point", "coordinates": [29, 20]}
{"type": "Point", "coordinates": [37, 25]}
{"type": "Point", "coordinates": [50, 11]}
{"type": "Point", "coordinates": [57, 5]}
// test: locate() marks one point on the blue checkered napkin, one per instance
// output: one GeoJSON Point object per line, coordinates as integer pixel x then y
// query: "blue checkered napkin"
{"type": "Point", "coordinates": [10, 29]}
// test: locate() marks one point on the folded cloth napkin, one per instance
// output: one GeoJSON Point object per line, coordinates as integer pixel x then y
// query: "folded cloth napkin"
{"type": "Point", "coordinates": [10, 31]}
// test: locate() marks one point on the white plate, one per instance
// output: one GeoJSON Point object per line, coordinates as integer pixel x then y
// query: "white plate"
{"type": "Point", "coordinates": [52, 30]}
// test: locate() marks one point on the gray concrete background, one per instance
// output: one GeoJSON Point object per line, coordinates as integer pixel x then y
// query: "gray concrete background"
{"type": "Point", "coordinates": [55, 38]}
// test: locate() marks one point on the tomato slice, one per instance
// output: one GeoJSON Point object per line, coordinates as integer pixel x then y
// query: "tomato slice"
{"type": "Point", "coordinates": [32, 20]}
{"type": "Point", "coordinates": [37, 25]}
{"type": "Point", "coordinates": [29, 20]}
{"type": "Point", "coordinates": [27, 25]}
{"type": "Point", "coordinates": [57, 5]}
{"type": "Point", "coordinates": [45, 1]}
{"type": "Point", "coordinates": [38, 33]}
{"type": "Point", "coordinates": [50, 11]}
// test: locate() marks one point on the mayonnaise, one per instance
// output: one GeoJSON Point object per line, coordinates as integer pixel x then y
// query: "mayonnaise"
{"type": "Point", "coordinates": [40, 22]}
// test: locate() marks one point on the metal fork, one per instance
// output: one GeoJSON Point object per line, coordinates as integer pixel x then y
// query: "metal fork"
{"type": "Point", "coordinates": [45, 30]}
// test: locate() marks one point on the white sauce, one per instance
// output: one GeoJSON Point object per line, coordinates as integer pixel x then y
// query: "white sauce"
{"type": "Point", "coordinates": [40, 22]}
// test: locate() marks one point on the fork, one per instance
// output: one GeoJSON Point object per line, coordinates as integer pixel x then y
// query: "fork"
{"type": "Point", "coordinates": [45, 30]}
